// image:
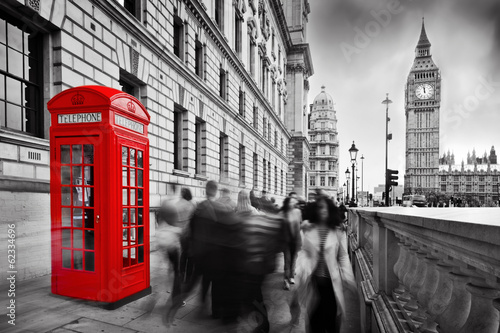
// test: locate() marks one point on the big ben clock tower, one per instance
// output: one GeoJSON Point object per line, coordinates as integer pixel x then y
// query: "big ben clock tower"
{"type": "Point", "coordinates": [422, 103]}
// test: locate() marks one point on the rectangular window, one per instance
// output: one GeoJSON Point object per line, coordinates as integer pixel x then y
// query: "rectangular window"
{"type": "Point", "coordinates": [241, 98]}
{"type": "Point", "coordinates": [241, 158]}
{"type": "Point", "coordinates": [21, 79]}
{"type": "Point", "coordinates": [468, 188]}
{"type": "Point", "coordinates": [223, 157]}
{"type": "Point", "coordinates": [178, 130]}
{"type": "Point", "coordinates": [269, 174]}
{"type": "Point", "coordinates": [443, 178]}
{"type": "Point", "coordinates": [331, 165]}
{"type": "Point", "coordinates": [456, 178]}
{"type": "Point", "coordinates": [273, 97]}
{"type": "Point", "coordinates": [322, 150]}
{"type": "Point", "coordinates": [313, 165]}
{"type": "Point", "coordinates": [178, 36]}
{"type": "Point", "coordinates": [481, 178]}
{"type": "Point", "coordinates": [276, 139]}
{"type": "Point", "coordinates": [200, 137]}
{"type": "Point", "coordinates": [269, 131]}
{"type": "Point", "coordinates": [494, 178]}
{"type": "Point", "coordinates": [322, 181]}
{"type": "Point", "coordinates": [219, 14]}
{"type": "Point", "coordinates": [222, 83]}
{"type": "Point", "coordinates": [331, 181]}
{"type": "Point", "coordinates": [443, 188]}
{"type": "Point", "coordinates": [468, 178]}
{"type": "Point", "coordinates": [312, 181]}
{"type": "Point", "coordinates": [264, 127]}
{"type": "Point", "coordinates": [198, 61]}
{"type": "Point", "coordinates": [264, 174]}
{"type": "Point", "coordinates": [238, 34]}
{"type": "Point", "coordinates": [275, 179]}
{"type": "Point", "coordinates": [251, 56]}
{"type": "Point", "coordinates": [481, 188]}
{"type": "Point", "coordinates": [332, 150]}
{"type": "Point", "coordinates": [255, 117]}
{"type": "Point", "coordinates": [322, 165]}
{"type": "Point", "coordinates": [132, 6]}
{"type": "Point", "coordinates": [494, 188]}
{"type": "Point", "coordinates": [455, 188]}
{"type": "Point", "coordinates": [255, 170]}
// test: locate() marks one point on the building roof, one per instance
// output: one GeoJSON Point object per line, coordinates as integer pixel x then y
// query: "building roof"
{"type": "Point", "coordinates": [323, 99]}
{"type": "Point", "coordinates": [469, 167]}
{"type": "Point", "coordinates": [423, 41]}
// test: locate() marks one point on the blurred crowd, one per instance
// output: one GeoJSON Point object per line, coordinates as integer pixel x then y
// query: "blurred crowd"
{"type": "Point", "coordinates": [231, 247]}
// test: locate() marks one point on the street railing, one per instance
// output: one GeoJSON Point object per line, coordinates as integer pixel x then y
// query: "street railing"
{"type": "Point", "coordinates": [427, 269]}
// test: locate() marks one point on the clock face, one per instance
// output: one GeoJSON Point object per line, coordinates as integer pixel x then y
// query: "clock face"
{"type": "Point", "coordinates": [424, 91]}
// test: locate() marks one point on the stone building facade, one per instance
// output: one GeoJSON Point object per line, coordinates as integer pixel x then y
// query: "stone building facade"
{"type": "Point", "coordinates": [475, 183]}
{"type": "Point", "coordinates": [323, 135]}
{"type": "Point", "coordinates": [225, 83]}
{"type": "Point", "coordinates": [422, 105]}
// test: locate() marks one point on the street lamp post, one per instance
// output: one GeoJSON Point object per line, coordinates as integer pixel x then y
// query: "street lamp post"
{"type": "Point", "coordinates": [343, 193]}
{"type": "Point", "coordinates": [362, 193]}
{"type": "Point", "coordinates": [353, 151]}
{"type": "Point", "coordinates": [387, 101]}
{"type": "Point", "coordinates": [347, 176]}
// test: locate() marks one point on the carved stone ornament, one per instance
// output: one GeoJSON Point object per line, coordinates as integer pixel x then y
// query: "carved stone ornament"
{"type": "Point", "coordinates": [251, 3]}
{"type": "Point", "coordinates": [34, 4]}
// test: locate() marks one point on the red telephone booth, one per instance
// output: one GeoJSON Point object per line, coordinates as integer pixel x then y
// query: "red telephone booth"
{"type": "Point", "coordinates": [99, 189]}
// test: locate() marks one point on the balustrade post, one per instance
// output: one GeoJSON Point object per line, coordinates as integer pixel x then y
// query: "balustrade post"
{"type": "Point", "coordinates": [385, 255]}
{"type": "Point", "coordinates": [483, 317]}
{"type": "Point", "coordinates": [398, 267]}
{"type": "Point", "coordinates": [456, 313]}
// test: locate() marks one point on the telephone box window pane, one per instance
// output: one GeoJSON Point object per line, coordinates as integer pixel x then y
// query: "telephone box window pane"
{"type": "Point", "coordinates": [66, 237]}
{"type": "Point", "coordinates": [66, 196]}
{"type": "Point", "coordinates": [139, 216]}
{"type": "Point", "coordinates": [77, 175]}
{"type": "Point", "coordinates": [132, 216]}
{"type": "Point", "coordinates": [125, 216]}
{"type": "Point", "coordinates": [65, 175]}
{"type": "Point", "coordinates": [77, 196]}
{"type": "Point", "coordinates": [125, 254]}
{"type": "Point", "coordinates": [89, 218]}
{"type": "Point", "coordinates": [125, 236]}
{"type": "Point", "coordinates": [124, 197]}
{"type": "Point", "coordinates": [140, 235]}
{"type": "Point", "coordinates": [132, 196]}
{"type": "Point", "coordinates": [89, 261]}
{"type": "Point", "coordinates": [66, 258]}
{"type": "Point", "coordinates": [77, 239]}
{"type": "Point", "coordinates": [139, 178]}
{"type": "Point", "coordinates": [139, 159]}
{"type": "Point", "coordinates": [139, 197]}
{"type": "Point", "coordinates": [77, 154]}
{"type": "Point", "coordinates": [132, 157]}
{"type": "Point", "coordinates": [66, 217]}
{"type": "Point", "coordinates": [88, 154]}
{"type": "Point", "coordinates": [124, 176]}
{"type": "Point", "coordinates": [124, 155]}
{"type": "Point", "coordinates": [65, 154]}
{"type": "Point", "coordinates": [88, 175]}
{"type": "Point", "coordinates": [89, 196]}
{"type": "Point", "coordinates": [132, 177]}
{"type": "Point", "coordinates": [132, 236]}
{"type": "Point", "coordinates": [78, 260]}
{"type": "Point", "coordinates": [140, 250]}
{"type": "Point", "coordinates": [132, 252]}
{"type": "Point", "coordinates": [77, 217]}
{"type": "Point", "coordinates": [89, 239]}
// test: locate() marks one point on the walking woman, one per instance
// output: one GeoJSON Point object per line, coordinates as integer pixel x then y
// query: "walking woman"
{"type": "Point", "coordinates": [293, 218]}
{"type": "Point", "coordinates": [323, 270]}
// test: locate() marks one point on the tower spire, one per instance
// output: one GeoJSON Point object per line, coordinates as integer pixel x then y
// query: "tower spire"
{"type": "Point", "coordinates": [423, 41]}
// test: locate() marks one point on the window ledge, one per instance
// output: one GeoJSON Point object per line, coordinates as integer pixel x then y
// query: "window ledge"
{"type": "Point", "coordinates": [181, 173]}
{"type": "Point", "coordinates": [200, 177]}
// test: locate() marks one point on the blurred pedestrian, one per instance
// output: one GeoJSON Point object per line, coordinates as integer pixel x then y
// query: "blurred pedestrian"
{"type": "Point", "coordinates": [217, 251]}
{"type": "Point", "coordinates": [264, 238]}
{"type": "Point", "coordinates": [185, 209]}
{"type": "Point", "coordinates": [323, 270]}
{"type": "Point", "coordinates": [225, 199]}
{"type": "Point", "coordinates": [293, 217]}
{"type": "Point", "coordinates": [254, 200]}
{"type": "Point", "coordinates": [168, 239]}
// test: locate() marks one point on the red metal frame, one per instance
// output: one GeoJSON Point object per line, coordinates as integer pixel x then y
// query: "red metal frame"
{"type": "Point", "coordinates": [105, 120]}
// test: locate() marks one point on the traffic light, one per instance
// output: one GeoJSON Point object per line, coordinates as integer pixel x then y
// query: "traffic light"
{"type": "Point", "coordinates": [391, 178]}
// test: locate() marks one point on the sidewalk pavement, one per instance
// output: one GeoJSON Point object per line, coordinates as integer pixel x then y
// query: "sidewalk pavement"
{"type": "Point", "coordinates": [37, 310]}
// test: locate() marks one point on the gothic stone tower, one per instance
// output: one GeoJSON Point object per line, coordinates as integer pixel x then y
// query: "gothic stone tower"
{"type": "Point", "coordinates": [422, 103]}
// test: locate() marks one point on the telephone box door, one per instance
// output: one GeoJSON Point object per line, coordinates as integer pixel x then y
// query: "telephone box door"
{"type": "Point", "coordinates": [76, 224]}
{"type": "Point", "coordinates": [134, 188]}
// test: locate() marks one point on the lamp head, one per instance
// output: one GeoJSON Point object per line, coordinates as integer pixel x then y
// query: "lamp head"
{"type": "Point", "coordinates": [354, 152]}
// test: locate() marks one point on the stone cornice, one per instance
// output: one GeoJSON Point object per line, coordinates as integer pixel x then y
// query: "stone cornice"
{"type": "Point", "coordinates": [277, 8]}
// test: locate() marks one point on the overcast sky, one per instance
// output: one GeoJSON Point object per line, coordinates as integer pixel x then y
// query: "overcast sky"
{"type": "Point", "coordinates": [363, 49]}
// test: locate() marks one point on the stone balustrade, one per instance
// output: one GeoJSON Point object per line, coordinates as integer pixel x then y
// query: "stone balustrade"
{"type": "Point", "coordinates": [427, 269]}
